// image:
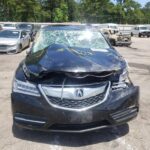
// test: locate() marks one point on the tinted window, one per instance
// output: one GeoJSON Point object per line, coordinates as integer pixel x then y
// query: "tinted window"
{"type": "Point", "coordinates": [23, 34]}
{"type": "Point", "coordinates": [143, 28]}
{"type": "Point", "coordinates": [9, 34]}
{"type": "Point", "coordinates": [25, 26]}
{"type": "Point", "coordinates": [8, 25]}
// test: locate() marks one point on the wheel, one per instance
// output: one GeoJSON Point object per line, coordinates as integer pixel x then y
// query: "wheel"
{"type": "Point", "coordinates": [131, 34]}
{"type": "Point", "coordinates": [128, 45]}
{"type": "Point", "coordinates": [19, 48]}
{"type": "Point", "coordinates": [140, 35]}
{"type": "Point", "coordinates": [113, 42]}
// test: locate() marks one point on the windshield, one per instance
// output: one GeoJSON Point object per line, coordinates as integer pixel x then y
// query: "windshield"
{"type": "Point", "coordinates": [71, 38]}
{"type": "Point", "coordinates": [8, 25]}
{"type": "Point", "coordinates": [113, 27]}
{"type": "Point", "coordinates": [9, 34]}
{"type": "Point", "coordinates": [25, 26]}
{"type": "Point", "coordinates": [143, 28]}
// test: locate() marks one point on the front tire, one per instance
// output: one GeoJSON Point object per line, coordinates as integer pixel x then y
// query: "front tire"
{"type": "Point", "coordinates": [140, 35]}
{"type": "Point", "coordinates": [19, 49]}
{"type": "Point", "coordinates": [113, 42]}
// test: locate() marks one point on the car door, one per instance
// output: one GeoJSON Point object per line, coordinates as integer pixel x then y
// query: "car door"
{"type": "Point", "coordinates": [136, 30]}
{"type": "Point", "coordinates": [24, 39]}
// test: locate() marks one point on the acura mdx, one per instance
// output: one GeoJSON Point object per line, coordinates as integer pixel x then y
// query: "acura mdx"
{"type": "Point", "coordinates": [72, 80]}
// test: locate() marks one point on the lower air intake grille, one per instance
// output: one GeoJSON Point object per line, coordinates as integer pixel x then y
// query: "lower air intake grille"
{"type": "Point", "coordinates": [77, 97]}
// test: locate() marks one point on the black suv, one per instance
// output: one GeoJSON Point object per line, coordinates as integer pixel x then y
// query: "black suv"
{"type": "Point", "coordinates": [72, 80]}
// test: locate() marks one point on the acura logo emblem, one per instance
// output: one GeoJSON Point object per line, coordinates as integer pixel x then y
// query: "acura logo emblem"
{"type": "Point", "coordinates": [79, 93]}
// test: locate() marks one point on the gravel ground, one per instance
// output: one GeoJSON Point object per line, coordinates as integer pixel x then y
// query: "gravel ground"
{"type": "Point", "coordinates": [132, 136]}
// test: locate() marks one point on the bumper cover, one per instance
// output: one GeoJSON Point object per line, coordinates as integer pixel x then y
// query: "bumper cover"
{"type": "Point", "coordinates": [35, 113]}
{"type": "Point", "coordinates": [145, 33]}
{"type": "Point", "coordinates": [7, 50]}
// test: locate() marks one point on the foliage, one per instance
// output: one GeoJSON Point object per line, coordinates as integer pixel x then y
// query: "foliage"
{"type": "Point", "coordinates": [97, 11]}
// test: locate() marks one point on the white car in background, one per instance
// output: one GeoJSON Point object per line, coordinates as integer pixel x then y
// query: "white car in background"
{"type": "Point", "coordinates": [112, 27]}
{"type": "Point", "coordinates": [9, 26]}
{"type": "Point", "coordinates": [13, 41]}
{"type": "Point", "coordinates": [140, 31]}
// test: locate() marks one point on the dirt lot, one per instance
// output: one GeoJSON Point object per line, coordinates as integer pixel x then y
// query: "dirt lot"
{"type": "Point", "coordinates": [134, 136]}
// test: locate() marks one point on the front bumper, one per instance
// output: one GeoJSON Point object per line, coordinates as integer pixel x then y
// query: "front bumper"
{"type": "Point", "coordinates": [35, 113]}
{"type": "Point", "coordinates": [145, 34]}
{"type": "Point", "coordinates": [8, 50]}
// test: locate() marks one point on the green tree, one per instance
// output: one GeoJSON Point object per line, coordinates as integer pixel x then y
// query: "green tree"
{"type": "Point", "coordinates": [16, 10]}
{"type": "Point", "coordinates": [61, 13]}
{"type": "Point", "coordinates": [73, 10]}
{"type": "Point", "coordinates": [146, 11]}
{"type": "Point", "coordinates": [96, 11]}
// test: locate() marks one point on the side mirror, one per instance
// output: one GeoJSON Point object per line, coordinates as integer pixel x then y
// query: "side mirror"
{"type": "Point", "coordinates": [22, 36]}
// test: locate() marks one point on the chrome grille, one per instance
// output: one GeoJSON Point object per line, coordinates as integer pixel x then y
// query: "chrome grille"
{"type": "Point", "coordinates": [77, 104]}
{"type": "Point", "coordinates": [98, 95]}
{"type": "Point", "coordinates": [3, 47]}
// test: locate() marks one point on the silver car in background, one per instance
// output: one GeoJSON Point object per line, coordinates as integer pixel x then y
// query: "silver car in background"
{"type": "Point", "coordinates": [9, 26]}
{"type": "Point", "coordinates": [13, 41]}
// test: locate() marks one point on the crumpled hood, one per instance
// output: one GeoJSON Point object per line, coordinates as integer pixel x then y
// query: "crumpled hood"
{"type": "Point", "coordinates": [59, 58]}
{"type": "Point", "coordinates": [8, 41]}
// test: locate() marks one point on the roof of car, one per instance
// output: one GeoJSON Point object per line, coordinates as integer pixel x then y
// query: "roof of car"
{"type": "Point", "coordinates": [17, 30]}
{"type": "Point", "coordinates": [67, 27]}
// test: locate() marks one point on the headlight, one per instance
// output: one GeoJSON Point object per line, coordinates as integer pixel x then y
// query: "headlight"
{"type": "Point", "coordinates": [124, 76]}
{"type": "Point", "coordinates": [123, 80]}
{"type": "Point", "coordinates": [12, 46]}
{"type": "Point", "coordinates": [25, 88]}
{"type": "Point", "coordinates": [25, 69]}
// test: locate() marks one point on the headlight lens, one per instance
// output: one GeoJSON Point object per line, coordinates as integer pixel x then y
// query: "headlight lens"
{"type": "Point", "coordinates": [123, 80]}
{"type": "Point", "coordinates": [25, 69]}
{"type": "Point", "coordinates": [124, 76]}
{"type": "Point", "coordinates": [25, 88]}
{"type": "Point", "coordinates": [13, 45]}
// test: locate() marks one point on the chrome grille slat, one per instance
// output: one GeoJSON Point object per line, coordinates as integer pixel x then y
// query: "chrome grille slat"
{"type": "Point", "coordinates": [3, 47]}
{"type": "Point", "coordinates": [77, 104]}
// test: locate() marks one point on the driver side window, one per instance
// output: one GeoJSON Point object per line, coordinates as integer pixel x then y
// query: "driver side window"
{"type": "Point", "coordinates": [23, 34]}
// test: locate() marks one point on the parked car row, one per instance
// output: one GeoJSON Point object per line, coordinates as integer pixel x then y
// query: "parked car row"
{"type": "Point", "coordinates": [14, 41]}
{"type": "Point", "coordinates": [140, 31]}
{"type": "Point", "coordinates": [117, 39]}
{"type": "Point", "coordinates": [31, 28]}
{"type": "Point", "coordinates": [137, 30]}
{"type": "Point", "coordinates": [15, 37]}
